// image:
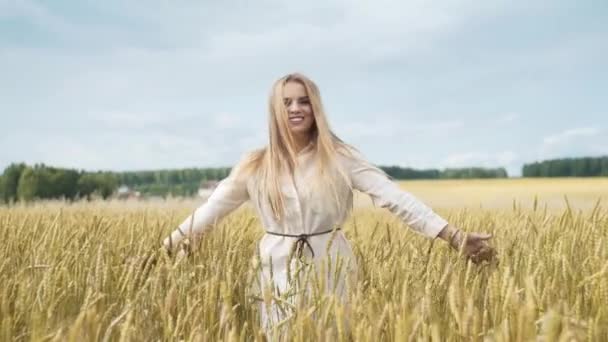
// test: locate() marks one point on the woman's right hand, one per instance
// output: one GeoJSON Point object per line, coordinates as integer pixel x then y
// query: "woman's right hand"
{"type": "Point", "coordinates": [183, 250]}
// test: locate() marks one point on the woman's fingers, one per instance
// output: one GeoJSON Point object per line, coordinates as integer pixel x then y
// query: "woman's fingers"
{"type": "Point", "coordinates": [482, 236]}
{"type": "Point", "coordinates": [478, 248]}
{"type": "Point", "coordinates": [483, 253]}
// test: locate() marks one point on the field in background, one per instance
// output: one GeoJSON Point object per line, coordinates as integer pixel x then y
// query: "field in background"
{"type": "Point", "coordinates": [582, 193]}
{"type": "Point", "coordinates": [78, 272]}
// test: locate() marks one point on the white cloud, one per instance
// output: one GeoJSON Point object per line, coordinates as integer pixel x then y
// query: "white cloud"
{"type": "Point", "coordinates": [31, 11]}
{"type": "Point", "coordinates": [134, 120]}
{"type": "Point", "coordinates": [570, 134]}
{"type": "Point", "coordinates": [574, 142]}
{"type": "Point", "coordinates": [465, 158]}
{"type": "Point", "coordinates": [74, 154]}
{"type": "Point", "coordinates": [396, 126]}
{"type": "Point", "coordinates": [435, 127]}
{"type": "Point", "coordinates": [131, 151]}
{"type": "Point", "coordinates": [507, 118]}
{"type": "Point", "coordinates": [504, 158]}
{"type": "Point", "coordinates": [227, 120]}
{"type": "Point", "coordinates": [355, 130]}
{"type": "Point", "coordinates": [309, 34]}
{"type": "Point", "coordinates": [252, 141]}
{"type": "Point", "coordinates": [336, 37]}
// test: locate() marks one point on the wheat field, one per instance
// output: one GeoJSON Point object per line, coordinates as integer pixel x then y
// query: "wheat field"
{"type": "Point", "coordinates": [78, 272]}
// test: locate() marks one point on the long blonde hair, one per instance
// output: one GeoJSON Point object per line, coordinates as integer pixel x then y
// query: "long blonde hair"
{"type": "Point", "coordinates": [280, 156]}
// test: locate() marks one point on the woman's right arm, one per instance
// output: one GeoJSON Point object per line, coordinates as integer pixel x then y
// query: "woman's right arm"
{"type": "Point", "coordinates": [229, 194]}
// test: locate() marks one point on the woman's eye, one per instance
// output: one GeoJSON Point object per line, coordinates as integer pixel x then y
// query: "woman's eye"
{"type": "Point", "coordinates": [305, 101]}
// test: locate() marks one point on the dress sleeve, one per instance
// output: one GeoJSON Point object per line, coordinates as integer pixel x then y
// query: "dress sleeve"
{"type": "Point", "coordinates": [229, 194]}
{"type": "Point", "coordinates": [385, 193]}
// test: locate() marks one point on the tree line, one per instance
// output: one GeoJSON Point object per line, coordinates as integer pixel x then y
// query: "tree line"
{"type": "Point", "coordinates": [180, 182]}
{"type": "Point", "coordinates": [568, 167]}
{"type": "Point", "coordinates": [21, 182]}
{"type": "Point", "coordinates": [398, 172]}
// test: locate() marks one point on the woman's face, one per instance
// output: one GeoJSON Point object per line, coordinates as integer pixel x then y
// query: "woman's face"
{"type": "Point", "coordinates": [301, 117]}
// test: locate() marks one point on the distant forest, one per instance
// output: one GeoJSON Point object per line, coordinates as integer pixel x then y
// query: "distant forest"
{"type": "Point", "coordinates": [568, 167]}
{"type": "Point", "coordinates": [24, 182]}
{"type": "Point", "coordinates": [398, 172]}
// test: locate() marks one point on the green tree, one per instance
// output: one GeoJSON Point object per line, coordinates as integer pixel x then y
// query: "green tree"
{"type": "Point", "coordinates": [2, 194]}
{"type": "Point", "coordinates": [64, 183]}
{"type": "Point", "coordinates": [101, 183]}
{"type": "Point", "coordinates": [568, 167]}
{"type": "Point", "coordinates": [11, 177]}
{"type": "Point", "coordinates": [108, 184]}
{"type": "Point", "coordinates": [31, 184]}
{"type": "Point", "coordinates": [604, 166]}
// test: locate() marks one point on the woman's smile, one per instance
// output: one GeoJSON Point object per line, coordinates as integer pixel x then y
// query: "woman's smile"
{"type": "Point", "coordinates": [296, 119]}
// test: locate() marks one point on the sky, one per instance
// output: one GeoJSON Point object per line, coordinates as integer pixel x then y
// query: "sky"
{"type": "Point", "coordinates": [139, 85]}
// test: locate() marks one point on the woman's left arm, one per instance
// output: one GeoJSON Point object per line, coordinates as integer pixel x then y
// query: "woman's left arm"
{"type": "Point", "coordinates": [385, 193]}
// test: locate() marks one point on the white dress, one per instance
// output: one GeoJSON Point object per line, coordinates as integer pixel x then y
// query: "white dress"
{"type": "Point", "coordinates": [304, 214]}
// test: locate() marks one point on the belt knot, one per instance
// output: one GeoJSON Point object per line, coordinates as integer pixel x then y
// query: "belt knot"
{"type": "Point", "coordinates": [302, 241]}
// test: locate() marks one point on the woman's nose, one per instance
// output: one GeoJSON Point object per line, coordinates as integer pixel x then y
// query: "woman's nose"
{"type": "Point", "coordinates": [294, 107]}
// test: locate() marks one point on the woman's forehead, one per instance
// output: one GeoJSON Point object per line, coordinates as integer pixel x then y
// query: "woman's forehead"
{"type": "Point", "coordinates": [294, 90]}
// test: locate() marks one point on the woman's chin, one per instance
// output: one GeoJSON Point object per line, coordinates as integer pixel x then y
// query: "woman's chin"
{"type": "Point", "coordinates": [300, 130]}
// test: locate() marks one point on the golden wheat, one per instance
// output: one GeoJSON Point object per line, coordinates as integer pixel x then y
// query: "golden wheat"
{"type": "Point", "coordinates": [80, 272]}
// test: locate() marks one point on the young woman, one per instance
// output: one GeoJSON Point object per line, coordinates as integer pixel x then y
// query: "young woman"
{"type": "Point", "coordinates": [301, 187]}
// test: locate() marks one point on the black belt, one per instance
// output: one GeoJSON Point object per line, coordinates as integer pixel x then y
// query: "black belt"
{"type": "Point", "coordinates": [303, 240]}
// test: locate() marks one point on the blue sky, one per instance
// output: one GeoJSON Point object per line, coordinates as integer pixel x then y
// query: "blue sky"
{"type": "Point", "coordinates": [131, 85]}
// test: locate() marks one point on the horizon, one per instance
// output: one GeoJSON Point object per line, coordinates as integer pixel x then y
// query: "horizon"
{"type": "Point", "coordinates": [403, 167]}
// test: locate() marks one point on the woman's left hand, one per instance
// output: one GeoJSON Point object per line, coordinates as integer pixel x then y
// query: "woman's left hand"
{"type": "Point", "coordinates": [475, 246]}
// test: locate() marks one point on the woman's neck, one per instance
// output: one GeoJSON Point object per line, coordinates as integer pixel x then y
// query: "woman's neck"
{"type": "Point", "coordinates": [302, 142]}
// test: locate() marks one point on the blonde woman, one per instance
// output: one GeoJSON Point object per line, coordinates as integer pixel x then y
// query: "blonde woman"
{"type": "Point", "coordinates": [301, 186]}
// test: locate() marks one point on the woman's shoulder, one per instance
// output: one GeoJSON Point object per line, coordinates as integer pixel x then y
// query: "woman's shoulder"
{"type": "Point", "coordinates": [250, 161]}
{"type": "Point", "coordinates": [349, 154]}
